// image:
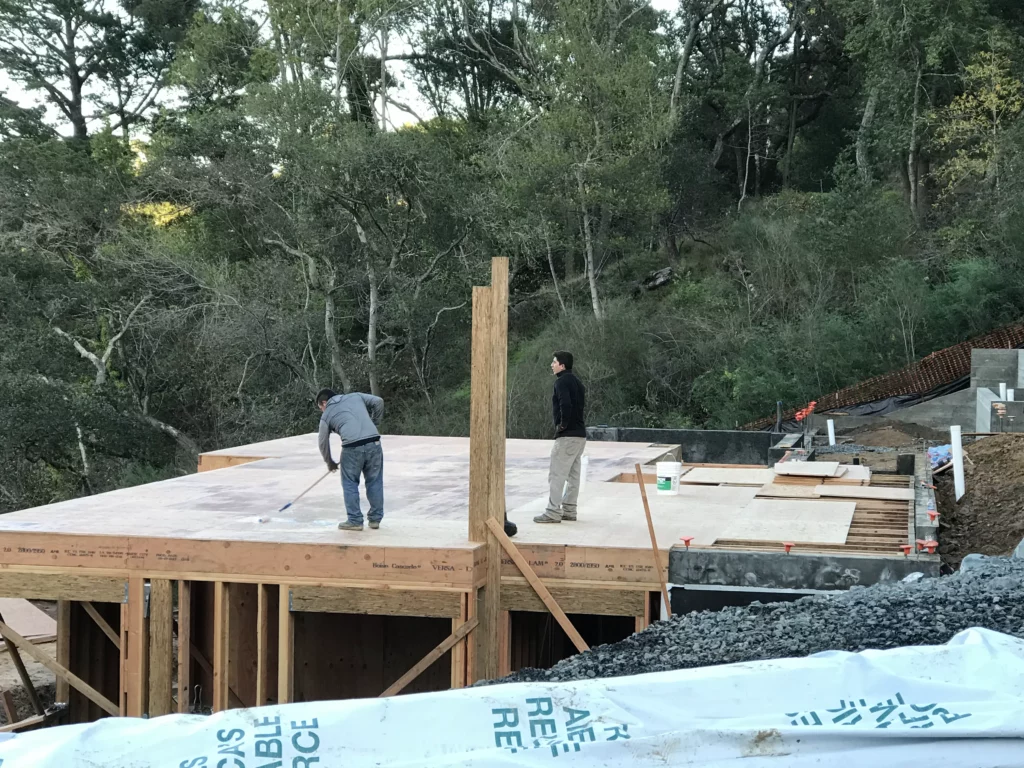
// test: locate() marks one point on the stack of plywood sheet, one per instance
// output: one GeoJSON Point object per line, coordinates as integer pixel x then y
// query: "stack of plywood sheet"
{"type": "Point", "coordinates": [820, 473]}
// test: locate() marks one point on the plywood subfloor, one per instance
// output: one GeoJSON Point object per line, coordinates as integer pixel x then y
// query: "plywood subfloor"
{"type": "Point", "coordinates": [426, 497]}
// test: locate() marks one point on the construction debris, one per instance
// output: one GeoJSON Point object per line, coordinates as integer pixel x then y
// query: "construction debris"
{"type": "Point", "coordinates": [990, 595]}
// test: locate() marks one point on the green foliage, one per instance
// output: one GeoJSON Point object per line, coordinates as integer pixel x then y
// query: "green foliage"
{"type": "Point", "coordinates": [217, 211]}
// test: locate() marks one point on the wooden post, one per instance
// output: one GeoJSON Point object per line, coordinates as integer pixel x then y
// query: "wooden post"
{"type": "Point", "coordinates": [505, 643]}
{"type": "Point", "coordinates": [161, 647]}
{"type": "Point", "coordinates": [488, 393]}
{"type": "Point", "coordinates": [262, 644]}
{"type": "Point", "coordinates": [184, 647]}
{"type": "Point", "coordinates": [221, 644]}
{"type": "Point", "coordinates": [137, 652]}
{"type": "Point", "coordinates": [459, 651]}
{"type": "Point", "coordinates": [123, 687]}
{"type": "Point", "coordinates": [63, 649]}
{"type": "Point", "coordinates": [654, 541]}
{"type": "Point", "coordinates": [285, 648]}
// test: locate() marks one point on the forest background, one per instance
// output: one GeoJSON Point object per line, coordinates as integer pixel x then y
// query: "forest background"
{"type": "Point", "coordinates": [211, 209]}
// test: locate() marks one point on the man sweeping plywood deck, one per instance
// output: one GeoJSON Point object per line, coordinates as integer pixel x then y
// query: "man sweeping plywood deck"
{"type": "Point", "coordinates": [354, 416]}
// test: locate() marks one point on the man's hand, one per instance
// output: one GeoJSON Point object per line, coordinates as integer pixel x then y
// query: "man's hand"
{"type": "Point", "coordinates": [332, 466]}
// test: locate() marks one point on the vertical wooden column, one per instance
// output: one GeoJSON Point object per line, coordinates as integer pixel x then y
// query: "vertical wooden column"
{"type": "Point", "coordinates": [505, 644]}
{"type": "Point", "coordinates": [221, 644]}
{"type": "Point", "coordinates": [161, 647]}
{"type": "Point", "coordinates": [123, 673]}
{"type": "Point", "coordinates": [262, 644]}
{"type": "Point", "coordinates": [63, 695]}
{"type": "Point", "coordinates": [136, 654]}
{"type": "Point", "coordinates": [184, 647]}
{"type": "Point", "coordinates": [488, 395]}
{"type": "Point", "coordinates": [285, 648]}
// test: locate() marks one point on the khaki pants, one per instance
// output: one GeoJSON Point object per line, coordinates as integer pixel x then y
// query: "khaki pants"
{"type": "Point", "coordinates": [564, 477]}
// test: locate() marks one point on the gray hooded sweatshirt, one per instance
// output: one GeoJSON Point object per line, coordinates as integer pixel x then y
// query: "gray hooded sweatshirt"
{"type": "Point", "coordinates": [353, 416]}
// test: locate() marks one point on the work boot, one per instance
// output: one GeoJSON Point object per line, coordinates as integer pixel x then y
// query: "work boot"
{"type": "Point", "coordinates": [511, 529]}
{"type": "Point", "coordinates": [350, 526]}
{"type": "Point", "coordinates": [568, 517]}
{"type": "Point", "coordinates": [375, 524]}
{"type": "Point", "coordinates": [548, 517]}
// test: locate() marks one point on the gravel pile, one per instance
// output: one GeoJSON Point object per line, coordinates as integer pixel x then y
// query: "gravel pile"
{"type": "Point", "coordinates": [988, 592]}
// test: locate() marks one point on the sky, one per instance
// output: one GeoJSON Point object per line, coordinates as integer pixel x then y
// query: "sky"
{"type": "Point", "coordinates": [406, 93]}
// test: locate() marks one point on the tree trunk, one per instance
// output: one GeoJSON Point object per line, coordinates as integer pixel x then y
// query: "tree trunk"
{"type": "Point", "coordinates": [912, 166]}
{"type": "Point", "coordinates": [383, 81]}
{"type": "Point", "coordinates": [75, 83]}
{"type": "Point", "coordinates": [371, 327]}
{"type": "Point", "coordinates": [331, 334]}
{"type": "Point", "coordinates": [588, 242]}
{"type": "Point", "coordinates": [337, 60]}
{"type": "Point", "coordinates": [791, 138]}
{"type": "Point", "coordinates": [554, 276]}
{"type": "Point", "coordinates": [863, 161]}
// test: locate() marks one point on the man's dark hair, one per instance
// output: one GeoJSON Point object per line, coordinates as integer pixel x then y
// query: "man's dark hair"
{"type": "Point", "coordinates": [565, 358]}
{"type": "Point", "coordinates": [324, 395]}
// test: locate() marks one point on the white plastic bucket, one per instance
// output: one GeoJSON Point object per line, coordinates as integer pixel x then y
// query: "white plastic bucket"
{"type": "Point", "coordinates": [668, 473]}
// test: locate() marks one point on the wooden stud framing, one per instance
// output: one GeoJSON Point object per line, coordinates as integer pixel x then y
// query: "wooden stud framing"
{"type": "Point", "coordinates": [136, 650]}
{"type": "Point", "coordinates": [378, 602]}
{"type": "Point", "coordinates": [123, 666]}
{"type": "Point", "coordinates": [63, 690]}
{"type": "Point", "coordinates": [9, 707]}
{"type": "Point", "coordinates": [285, 649]}
{"type": "Point", "coordinates": [184, 647]}
{"type": "Point", "coordinates": [262, 644]}
{"type": "Point", "coordinates": [445, 645]}
{"type": "Point", "coordinates": [459, 651]}
{"type": "Point", "coordinates": [221, 644]}
{"type": "Point", "coordinates": [13, 638]}
{"type": "Point", "coordinates": [161, 648]}
{"type": "Point", "coordinates": [538, 585]}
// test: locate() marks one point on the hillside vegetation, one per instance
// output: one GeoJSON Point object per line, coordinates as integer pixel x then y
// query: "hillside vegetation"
{"type": "Point", "coordinates": [211, 209]}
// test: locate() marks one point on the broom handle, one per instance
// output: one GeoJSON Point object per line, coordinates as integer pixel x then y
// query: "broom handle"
{"type": "Point", "coordinates": [314, 485]}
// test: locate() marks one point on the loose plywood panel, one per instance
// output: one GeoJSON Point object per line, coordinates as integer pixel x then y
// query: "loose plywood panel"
{"type": "Point", "coordinates": [808, 468]}
{"type": "Point", "coordinates": [865, 492]}
{"type": "Point", "coordinates": [821, 522]}
{"type": "Point", "coordinates": [778, 491]}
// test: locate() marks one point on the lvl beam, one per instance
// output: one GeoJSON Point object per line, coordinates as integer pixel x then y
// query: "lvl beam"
{"type": "Point", "coordinates": [377, 602]}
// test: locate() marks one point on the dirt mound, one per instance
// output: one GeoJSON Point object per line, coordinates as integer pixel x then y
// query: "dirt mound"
{"type": "Point", "coordinates": [895, 436]}
{"type": "Point", "coordinates": [989, 519]}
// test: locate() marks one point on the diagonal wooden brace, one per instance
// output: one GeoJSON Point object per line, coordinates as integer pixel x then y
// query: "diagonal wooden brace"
{"type": "Point", "coordinates": [538, 586]}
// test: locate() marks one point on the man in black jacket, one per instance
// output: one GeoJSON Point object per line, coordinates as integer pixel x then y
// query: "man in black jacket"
{"type": "Point", "coordinates": [570, 439]}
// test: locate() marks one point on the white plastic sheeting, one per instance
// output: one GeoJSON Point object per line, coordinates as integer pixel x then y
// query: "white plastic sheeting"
{"type": "Point", "coordinates": [961, 704]}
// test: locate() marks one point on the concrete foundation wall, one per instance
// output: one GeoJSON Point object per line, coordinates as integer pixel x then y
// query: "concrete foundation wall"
{"type": "Point", "coordinates": [769, 570]}
{"type": "Point", "coordinates": [942, 412]}
{"type": "Point", "coordinates": [686, 600]}
{"type": "Point", "coordinates": [711, 446]}
{"type": "Point", "coordinates": [992, 367]}
{"type": "Point", "coordinates": [983, 409]}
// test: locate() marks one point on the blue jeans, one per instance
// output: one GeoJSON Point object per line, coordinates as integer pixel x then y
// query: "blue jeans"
{"type": "Point", "coordinates": [368, 461]}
